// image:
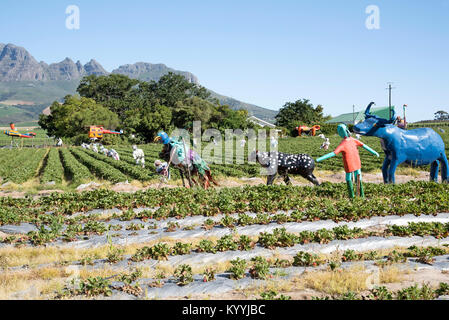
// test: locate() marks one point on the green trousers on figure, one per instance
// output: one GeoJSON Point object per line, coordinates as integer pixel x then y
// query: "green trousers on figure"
{"type": "Point", "coordinates": [358, 179]}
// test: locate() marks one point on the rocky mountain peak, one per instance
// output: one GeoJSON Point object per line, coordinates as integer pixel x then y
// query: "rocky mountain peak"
{"type": "Point", "coordinates": [93, 67]}
{"type": "Point", "coordinates": [151, 72]}
{"type": "Point", "coordinates": [17, 64]}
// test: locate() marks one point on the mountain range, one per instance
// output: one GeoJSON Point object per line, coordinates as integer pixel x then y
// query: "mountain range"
{"type": "Point", "coordinates": [27, 86]}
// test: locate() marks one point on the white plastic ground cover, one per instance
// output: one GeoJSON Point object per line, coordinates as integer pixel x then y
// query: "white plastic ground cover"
{"type": "Point", "coordinates": [22, 228]}
{"type": "Point", "coordinates": [143, 236]}
{"type": "Point", "coordinates": [359, 245]}
{"type": "Point", "coordinates": [223, 284]}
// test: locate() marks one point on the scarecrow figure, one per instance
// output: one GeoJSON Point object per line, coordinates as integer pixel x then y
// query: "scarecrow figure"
{"type": "Point", "coordinates": [351, 159]}
{"type": "Point", "coordinates": [325, 144]}
{"type": "Point", "coordinates": [273, 142]}
{"type": "Point", "coordinates": [185, 159]}
{"type": "Point", "coordinates": [162, 169]}
{"type": "Point", "coordinates": [139, 156]}
{"type": "Point", "coordinates": [103, 150]}
{"type": "Point", "coordinates": [113, 154]}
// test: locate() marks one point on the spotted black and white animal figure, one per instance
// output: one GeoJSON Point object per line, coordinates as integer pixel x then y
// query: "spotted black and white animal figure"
{"type": "Point", "coordinates": [285, 164]}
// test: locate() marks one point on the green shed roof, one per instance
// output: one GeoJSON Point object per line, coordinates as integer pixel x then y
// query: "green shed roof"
{"type": "Point", "coordinates": [358, 116]}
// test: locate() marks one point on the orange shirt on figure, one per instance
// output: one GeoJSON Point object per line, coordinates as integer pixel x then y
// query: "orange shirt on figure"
{"type": "Point", "coordinates": [351, 158]}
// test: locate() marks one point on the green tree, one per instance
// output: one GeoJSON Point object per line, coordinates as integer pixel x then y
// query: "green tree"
{"type": "Point", "coordinates": [72, 118]}
{"type": "Point", "coordinates": [300, 112]}
{"type": "Point", "coordinates": [114, 91]}
{"type": "Point", "coordinates": [226, 118]}
{"type": "Point", "coordinates": [441, 115]}
{"type": "Point", "coordinates": [172, 88]}
{"type": "Point", "coordinates": [144, 122]}
{"type": "Point", "coordinates": [193, 109]}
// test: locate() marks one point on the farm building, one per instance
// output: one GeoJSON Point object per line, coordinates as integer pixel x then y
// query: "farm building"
{"type": "Point", "coordinates": [358, 116]}
{"type": "Point", "coordinates": [261, 122]}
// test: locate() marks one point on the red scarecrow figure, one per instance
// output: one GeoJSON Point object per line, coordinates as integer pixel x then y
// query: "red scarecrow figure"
{"type": "Point", "coordinates": [351, 159]}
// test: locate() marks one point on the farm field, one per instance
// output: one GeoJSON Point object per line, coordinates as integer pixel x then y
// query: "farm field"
{"type": "Point", "coordinates": [66, 168]}
{"type": "Point", "coordinates": [243, 242]}
{"type": "Point", "coordinates": [254, 242]}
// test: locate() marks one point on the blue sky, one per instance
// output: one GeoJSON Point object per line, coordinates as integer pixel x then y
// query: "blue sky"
{"type": "Point", "coordinates": [261, 52]}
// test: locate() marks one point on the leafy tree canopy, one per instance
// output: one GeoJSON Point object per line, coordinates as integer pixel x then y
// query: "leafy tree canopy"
{"type": "Point", "coordinates": [441, 115]}
{"type": "Point", "coordinates": [140, 108]}
{"type": "Point", "coordinates": [71, 118]}
{"type": "Point", "coordinates": [300, 112]}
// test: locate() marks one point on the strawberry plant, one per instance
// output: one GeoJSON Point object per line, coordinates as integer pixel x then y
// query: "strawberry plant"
{"type": "Point", "coordinates": [127, 215]}
{"type": "Point", "coordinates": [184, 274]}
{"type": "Point", "coordinates": [305, 259]}
{"type": "Point", "coordinates": [94, 286]}
{"type": "Point", "coordinates": [284, 239]}
{"type": "Point", "coordinates": [94, 227]}
{"type": "Point", "coordinates": [442, 290]}
{"type": "Point", "coordinates": [172, 226]}
{"type": "Point", "coordinates": [323, 236]}
{"type": "Point", "coordinates": [227, 221]}
{"type": "Point", "coordinates": [114, 254]}
{"type": "Point", "coordinates": [206, 246]}
{"type": "Point", "coordinates": [135, 227]}
{"type": "Point", "coordinates": [350, 255]}
{"type": "Point", "coordinates": [131, 277]}
{"type": "Point", "coordinates": [182, 248]}
{"type": "Point", "coordinates": [281, 263]}
{"type": "Point", "coordinates": [260, 268]}
{"type": "Point", "coordinates": [226, 243]}
{"type": "Point", "coordinates": [380, 293]}
{"type": "Point", "coordinates": [263, 219]}
{"type": "Point", "coordinates": [237, 268]}
{"type": "Point", "coordinates": [159, 251]}
{"type": "Point", "coordinates": [267, 240]}
{"type": "Point", "coordinates": [245, 243]}
{"type": "Point", "coordinates": [208, 224]}
{"type": "Point", "coordinates": [334, 265]}
{"type": "Point", "coordinates": [209, 274]}
{"type": "Point", "coordinates": [244, 219]}
{"type": "Point", "coordinates": [396, 257]}
{"type": "Point", "coordinates": [281, 218]}
{"type": "Point", "coordinates": [416, 293]}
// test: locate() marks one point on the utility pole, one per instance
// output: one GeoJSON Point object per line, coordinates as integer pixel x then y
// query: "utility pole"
{"type": "Point", "coordinates": [405, 119]}
{"type": "Point", "coordinates": [353, 114]}
{"type": "Point", "coordinates": [389, 96]}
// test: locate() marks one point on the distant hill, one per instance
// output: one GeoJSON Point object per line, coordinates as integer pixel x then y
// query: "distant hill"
{"type": "Point", "coordinates": [28, 81]}
{"type": "Point", "coordinates": [151, 72]}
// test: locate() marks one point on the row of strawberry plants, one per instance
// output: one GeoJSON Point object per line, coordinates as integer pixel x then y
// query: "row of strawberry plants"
{"type": "Point", "coordinates": [278, 238]}
{"type": "Point", "coordinates": [305, 210]}
{"type": "Point", "coordinates": [133, 171]}
{"type": "Point", "coordinates": [412, 197]}
{"type": "Point", "coordinates": [74, 170]}
{"type": "Point", "coordinates": [25, 166]}
{"type": "Point", "coordinates": [101, 170]}
{"type": "Point", "coordinates": [53, 170]}
{"type": "Point", "coordinates": [425, 292]}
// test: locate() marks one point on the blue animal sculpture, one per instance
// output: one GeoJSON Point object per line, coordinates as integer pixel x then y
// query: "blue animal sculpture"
{"type": "Point", "coordinates": [421, 146]}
